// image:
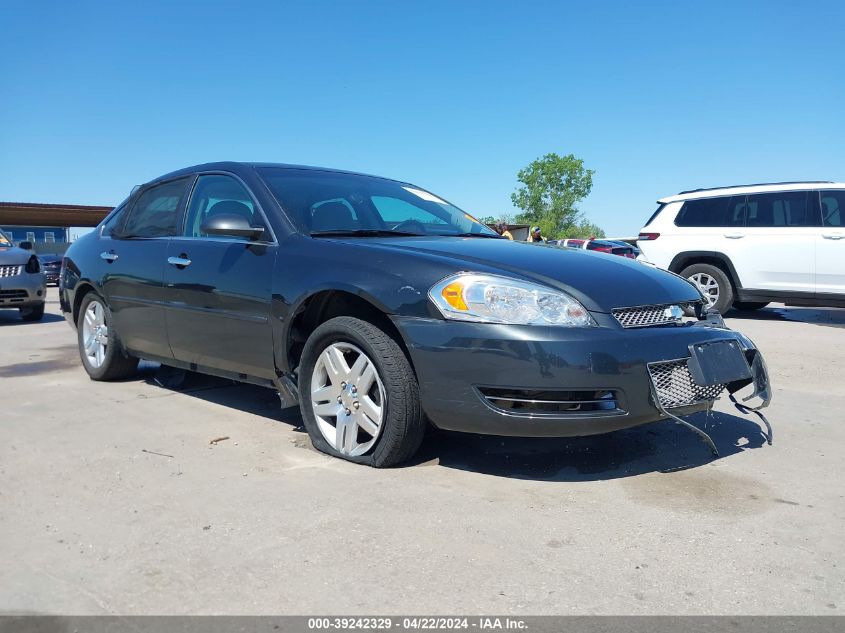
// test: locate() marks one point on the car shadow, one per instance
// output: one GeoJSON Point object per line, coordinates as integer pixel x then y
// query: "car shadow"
{"type": "Point", "coordinates": [827, 317]}
{"type": "Point", "coordinates": [13, 317]}
{"type": "Point", "coordinates": [659, 447]}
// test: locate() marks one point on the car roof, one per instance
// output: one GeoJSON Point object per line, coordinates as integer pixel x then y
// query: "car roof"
{"type": "Point", "coordinates": [755, 188]}
{"type": "Point", "coordinates": [238, 167]}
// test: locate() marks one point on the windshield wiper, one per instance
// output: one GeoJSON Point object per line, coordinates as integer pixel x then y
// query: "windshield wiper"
{"type": "Point", "coordinates": [363, 233]}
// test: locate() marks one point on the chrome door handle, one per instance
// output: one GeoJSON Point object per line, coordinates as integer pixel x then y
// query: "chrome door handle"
{"type": "Point", "coordinates": [109, 257]}
{"type": "Point", "coordinates": [833, 236]}
{"type": "Point", "coordinates": [179, 262]}
{"type": "Point", "coordinates": [734, 236]}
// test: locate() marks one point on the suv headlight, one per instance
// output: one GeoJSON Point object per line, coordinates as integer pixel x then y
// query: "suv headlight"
{"type": "Point", "coordinates": [495, 299]}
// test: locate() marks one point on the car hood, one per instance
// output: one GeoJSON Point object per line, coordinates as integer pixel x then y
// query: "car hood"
{"type": "Point", "coordinates": [14, 256]}
{"type": "Point", "coordinates": [599, 280]}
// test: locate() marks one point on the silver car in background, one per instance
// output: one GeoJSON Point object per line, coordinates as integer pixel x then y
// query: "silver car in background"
{"type": "Point", "coordinates": [22, 282]}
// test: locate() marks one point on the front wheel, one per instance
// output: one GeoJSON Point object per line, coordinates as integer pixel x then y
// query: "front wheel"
{"type": "Point", "coordinates": [359, 396]}
{"type": "Point", "coordinates": [99, 345]}
{"type": "Point", "coordinates": [713, 284]}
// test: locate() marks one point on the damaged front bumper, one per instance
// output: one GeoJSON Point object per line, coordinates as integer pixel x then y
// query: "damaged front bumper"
{"type": "Point", "coordinates": [531, 381]}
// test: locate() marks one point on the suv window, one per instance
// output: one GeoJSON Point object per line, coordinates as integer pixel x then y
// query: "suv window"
{"type": "Point", "coordinates": [833, 208]}
{"type": "Point", "coordinates": [215, 194]}
{"type": "Point", "coordinates": [724, 211]}
{"type": "Point", "coordinates": [155, 212]}
{"type": "Point", "coordinates": [784, 208]}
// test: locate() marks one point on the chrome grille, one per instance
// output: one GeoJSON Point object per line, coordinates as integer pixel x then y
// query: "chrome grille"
{"type": "Point", "coordinates": [675, 386]}
{"type": "Point", "coordinates": [9, 271]}
{"type": "Point", "coordinates": [644, 316]}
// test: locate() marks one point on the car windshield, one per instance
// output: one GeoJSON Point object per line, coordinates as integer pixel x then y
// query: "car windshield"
{"type": "Point", "coordinates": [332, 203]}
{"type": "Point", "coordinates": [4, 241]}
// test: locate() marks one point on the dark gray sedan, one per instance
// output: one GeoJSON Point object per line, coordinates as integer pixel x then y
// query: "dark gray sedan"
{"type": "Point", "coordinates": [381, 308]}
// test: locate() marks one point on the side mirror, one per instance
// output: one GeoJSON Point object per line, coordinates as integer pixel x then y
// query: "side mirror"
{"type": "Point", "coordinates": [231, 225]}
{"type": "Point", "coordinates": [27, 246]}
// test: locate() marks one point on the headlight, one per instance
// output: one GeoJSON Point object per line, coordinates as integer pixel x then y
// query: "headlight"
{"type": "Point", "coordinates": [33, 265]}
{"type": "Point", "coordinates": [494, 299]}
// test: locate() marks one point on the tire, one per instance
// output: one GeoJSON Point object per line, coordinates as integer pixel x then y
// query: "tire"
{"type": "Point", "coordinates": [35, 313]}
{"type": "Point", "coordinates": [750, 305]}
{"type": "Point", "coordinates": [713, 282]}
{"type": "Point", "coordinates": [113, 362]}
{"type": "Point", "coordinates": [333, 356]}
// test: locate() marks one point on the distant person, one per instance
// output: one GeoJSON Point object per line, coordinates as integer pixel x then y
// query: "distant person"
{"type": "Point", "coordinates": [502, 229]}
{"type": "Point", "coordinates": [536, 236]}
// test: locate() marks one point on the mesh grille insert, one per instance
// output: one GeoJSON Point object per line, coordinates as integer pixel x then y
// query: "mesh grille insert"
{"type": "Point", "coordinates": [9, 271]}
{"type": "Point", "coordinates": [644, 316]}
{"type": "Point", "coordinates": [675, 386]}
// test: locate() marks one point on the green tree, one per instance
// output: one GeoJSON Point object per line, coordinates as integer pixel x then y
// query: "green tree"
{"type": "Point", "coordinates": [584, 229]}
{"type": "Point", "coordinates": [552, 187]}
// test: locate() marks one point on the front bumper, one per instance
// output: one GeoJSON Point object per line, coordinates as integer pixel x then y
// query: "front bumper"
{"type": "Point", "coordinates": [458, 363]}
{"type": "Point", "coordinates": [23, 290]}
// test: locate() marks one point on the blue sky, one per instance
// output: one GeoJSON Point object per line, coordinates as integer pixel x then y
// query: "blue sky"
{"type": "Point", "coordinates": [454, 96]}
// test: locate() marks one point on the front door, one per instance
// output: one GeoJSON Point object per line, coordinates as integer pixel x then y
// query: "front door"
{"type": "Point", "coordinates": [218, 289]}
{"type": "Point", "coordinates": [133, 257]}
{"type": "Point", "coordinates": [830, 245]}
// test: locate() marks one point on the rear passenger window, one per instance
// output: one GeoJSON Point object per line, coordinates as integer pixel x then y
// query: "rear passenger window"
{"type": "Point", "coordinates": [833, 208]}
{"type": "Point", "coordinates": [726, 211]}
{"type": "Point", "coordinates": [155, 212]}
{"type": "Point", "coordinates": [785, 208]}
{"type": "Point", "coordinates": [114, 221]}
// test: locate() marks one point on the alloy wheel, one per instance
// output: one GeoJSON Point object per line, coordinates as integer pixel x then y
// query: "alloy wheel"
{"type": "Point", "coordinates": [95, 334]}
{"type": "Point", "coordinates": [348, 398]}
{"type": "Point", "coordinates": [708, 286]}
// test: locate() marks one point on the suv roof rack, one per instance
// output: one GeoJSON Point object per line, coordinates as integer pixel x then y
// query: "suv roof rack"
{"type": "Point", "coordinates": [762, 184]}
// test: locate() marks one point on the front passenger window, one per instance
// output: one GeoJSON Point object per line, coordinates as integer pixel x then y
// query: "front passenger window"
{"type": "Point", "coordinates": [217, 195]}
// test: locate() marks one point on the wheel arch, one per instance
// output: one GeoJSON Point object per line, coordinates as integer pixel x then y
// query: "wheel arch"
{"type": "Point", "coordinates": [326, 304]}
{"type": "Point", "coordinates": [714, 258]}
{"type": "Point", "coordinates": [82, 290]}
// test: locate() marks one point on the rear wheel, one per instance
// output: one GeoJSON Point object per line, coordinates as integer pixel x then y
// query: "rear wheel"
{"type": "Point", "coordinates": [713, 284]}
{"type": "Point", "coordinates": [750, 305]}
{"type": "Point", "coordinates": [359, 395]}
{"type": "Point", "coordinates": [99, 344]}
{"type": "Point", "coordinates": [33, 313]}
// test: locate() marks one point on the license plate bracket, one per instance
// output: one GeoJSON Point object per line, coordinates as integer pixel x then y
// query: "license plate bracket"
{"type": "Point", "coordinates": [717, 363]}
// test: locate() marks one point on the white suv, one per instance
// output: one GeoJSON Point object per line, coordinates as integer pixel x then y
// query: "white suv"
{"type": "Point", "coordinates": [748, 245]}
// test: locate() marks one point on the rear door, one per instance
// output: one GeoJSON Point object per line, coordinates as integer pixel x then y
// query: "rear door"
{"type": "Point", "coordinates": [133, 256]}
{"type": "Point", "coordinates": [218, 289]}
{"type": "Point", "coordinates": [830, 244]}
{"type": "Point", "coordinates": [776, 248]}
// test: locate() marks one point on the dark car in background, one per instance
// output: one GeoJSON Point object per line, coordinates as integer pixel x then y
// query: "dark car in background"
{"type": "Point", "coordinates": [51, 264]}
{"type": "Point", "coordinates": [380, 307]}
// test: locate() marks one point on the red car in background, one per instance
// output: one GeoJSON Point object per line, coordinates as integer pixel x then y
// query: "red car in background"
{"type": "Point", "coordinates": [623, 249]}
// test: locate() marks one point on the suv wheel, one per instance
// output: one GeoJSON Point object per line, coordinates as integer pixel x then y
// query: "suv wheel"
{"type": "Point", "coordinates": [359, 395]}
{"type": "Point", "coordinates": [713, 284]}
{"type": "Point", "coordinates": [34, 313]}
{"type": "Point", "coordinates": [99, 345]}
